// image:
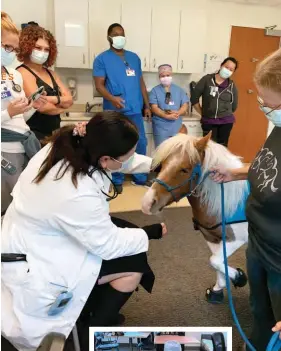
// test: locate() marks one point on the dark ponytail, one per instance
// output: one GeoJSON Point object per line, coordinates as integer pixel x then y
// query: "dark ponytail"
{"type": "Point", "coordinates": [107, 134]}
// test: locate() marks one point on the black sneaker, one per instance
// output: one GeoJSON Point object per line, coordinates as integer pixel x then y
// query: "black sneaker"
{"type": "Point", "coordinates": [119, 188]}
{"type": "Point", "coordinates": [147, 184]}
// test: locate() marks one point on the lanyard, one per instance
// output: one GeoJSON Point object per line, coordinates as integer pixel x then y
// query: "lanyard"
{"type": "Point", "coordinates": [16, 87]}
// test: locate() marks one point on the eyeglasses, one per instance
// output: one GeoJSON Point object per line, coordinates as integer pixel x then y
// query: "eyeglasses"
{"type": "Point", "coordinates": [9, 48]}
{"type": "Point", "coordinates": [261, 103]}
{"type": "Point", "coordinates": [167, 97]}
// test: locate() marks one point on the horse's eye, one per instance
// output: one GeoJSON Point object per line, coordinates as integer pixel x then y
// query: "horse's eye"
{"type": "Point", "coordinates": [184, 170]}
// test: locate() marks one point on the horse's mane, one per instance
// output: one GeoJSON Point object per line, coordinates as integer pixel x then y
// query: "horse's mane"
{"type": "Point", "coordinates": [215, 154]}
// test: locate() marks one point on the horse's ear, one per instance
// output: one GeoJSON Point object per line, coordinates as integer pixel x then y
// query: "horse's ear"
{"type": "Point", "coordinates": [202, 143]}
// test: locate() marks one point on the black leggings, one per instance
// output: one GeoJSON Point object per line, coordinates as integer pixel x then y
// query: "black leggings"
{"type": "Point", "coordinates": [220, 132]}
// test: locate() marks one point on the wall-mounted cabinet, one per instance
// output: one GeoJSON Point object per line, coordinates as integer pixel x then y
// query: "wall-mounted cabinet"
{"type": "Point", "coordinates": [192, 40]}
{"type": "Point", "coordinates": [165, 29]}
{"type": "Point", "coordinates": [136, 20]}
{"type": "Point", "coordinates": [102, 13]}
{"type": "Point", "coordinates": [71, 32]}
{"type": "Point", "coordinates": [159, 32]}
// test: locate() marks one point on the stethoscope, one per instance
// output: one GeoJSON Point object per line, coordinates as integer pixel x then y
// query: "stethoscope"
{"type": "Point", "coordinates": [115, 192]}
{"type": "Point", "coordinates": [15, 87]}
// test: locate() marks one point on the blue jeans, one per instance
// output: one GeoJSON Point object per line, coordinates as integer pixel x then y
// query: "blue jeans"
{"type": "Point", "coordinates": [265, 299]}
{"type": "Point", "coordinates": [139, 178]}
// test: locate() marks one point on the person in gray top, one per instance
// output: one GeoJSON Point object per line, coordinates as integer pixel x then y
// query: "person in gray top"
{"type": "Point", "coordinates": [219, 101]}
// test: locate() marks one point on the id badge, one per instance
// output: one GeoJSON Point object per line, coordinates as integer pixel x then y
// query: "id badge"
{"type": "Point", "coordinates": [60, 303]}
{"type": "Point", "coordinates": [5, 94]}
{"type": "Point", "coordinates": [213, 91]}
{"type": "Point", "coordinates": [171, 103]}
{"type": "Point", "coordinates": [130, 72]}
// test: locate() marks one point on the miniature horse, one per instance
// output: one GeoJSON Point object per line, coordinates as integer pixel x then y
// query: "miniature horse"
{"type": "Point", "coordinates": [185, 162]}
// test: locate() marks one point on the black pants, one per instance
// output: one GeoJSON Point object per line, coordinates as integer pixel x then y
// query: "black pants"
{"type": "Point", "coordinates": [220, 132]}
{"type": "Point", "coordinates": [265, 299]}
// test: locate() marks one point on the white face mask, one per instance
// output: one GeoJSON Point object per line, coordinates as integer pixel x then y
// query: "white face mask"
{"type": "Point", "coordinates": [118, 42]}
{"type": "Point", "coordinates": [39, 57]}
{"type": "Point", "coordinates": [166, 81]}
{"type": "Point", "coordinates": [7, 58]}
{"type": "Point", "coordinates": [124, 164]}
{"type": "Point", "coordinates": [274, 116]}
{"type": "Point", "coordinates": [225, 73]}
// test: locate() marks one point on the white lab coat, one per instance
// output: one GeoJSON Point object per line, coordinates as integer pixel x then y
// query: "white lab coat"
{"type": "Point", "coordinates": [65, 232]}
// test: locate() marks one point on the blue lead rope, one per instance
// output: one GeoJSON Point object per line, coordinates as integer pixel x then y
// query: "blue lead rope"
{"type": "Point", "coordinates": [275, 342]}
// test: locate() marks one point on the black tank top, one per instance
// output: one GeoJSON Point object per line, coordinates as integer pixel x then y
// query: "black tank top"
{"type": "Point", "coordinates": [42, 124]}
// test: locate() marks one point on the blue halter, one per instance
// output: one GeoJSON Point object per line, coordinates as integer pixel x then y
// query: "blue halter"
{"type": "Point", "coordinates": [195, 177]}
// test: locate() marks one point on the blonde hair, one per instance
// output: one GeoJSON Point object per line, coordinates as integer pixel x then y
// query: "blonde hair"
{"type": "Point", "coordinates": [7, 24]}
{"type": "Point", "coordinates": [268, 73]}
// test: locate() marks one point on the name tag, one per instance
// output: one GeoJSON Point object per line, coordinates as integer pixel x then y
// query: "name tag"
{"type": "Point", "coordinates": [213, 90]}
{"type": "Point", "coordinates": [130, 72]}
{"type": "Point", "coordinates": [5, 94]}
{"type": "Point", "coordinates": [171, 103]}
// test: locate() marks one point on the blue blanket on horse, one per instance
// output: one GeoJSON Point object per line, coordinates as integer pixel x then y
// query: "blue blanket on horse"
{"type": "Point", "coordinates": [240, 215]}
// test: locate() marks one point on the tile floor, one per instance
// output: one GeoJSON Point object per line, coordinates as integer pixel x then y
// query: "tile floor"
{"type": "Point", "coordinates": [130, 199]}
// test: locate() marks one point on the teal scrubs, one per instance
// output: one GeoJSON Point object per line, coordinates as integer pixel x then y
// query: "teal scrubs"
{"type": "Point", "coordinates": [164, 128]}
{"type": "Point", "coordinates": [123, 78]}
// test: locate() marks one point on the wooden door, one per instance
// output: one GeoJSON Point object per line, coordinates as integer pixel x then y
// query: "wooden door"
{"type": "Point", "coordinates": [164, 39]}
{"type": "Point", "coordinates": [136, 20]}
{"type": "Point", "coordinates": [249, 46]}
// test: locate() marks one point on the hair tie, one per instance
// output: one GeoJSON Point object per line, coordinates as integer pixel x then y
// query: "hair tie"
{"type": "Point", "coordinates": [80, 129]}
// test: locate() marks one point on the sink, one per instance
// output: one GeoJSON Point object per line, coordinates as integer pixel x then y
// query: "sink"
{"type": "Point", "coordinates": [79, 115]}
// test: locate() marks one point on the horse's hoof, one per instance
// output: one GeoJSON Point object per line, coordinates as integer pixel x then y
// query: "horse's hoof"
{"type": "Point", "coordinates": [215, 297]}
{"type": "Point", "coordinates": [241, 279]}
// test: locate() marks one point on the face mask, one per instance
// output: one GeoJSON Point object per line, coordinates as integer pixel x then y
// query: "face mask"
{"type": "Point", "coordinates": [124, 164]}
{"type": "Point", "coordinates": [274, 116]}
{"type": "Point", "coordinates": [39, 57]}
{"type": "Point", "coordinates": [225, 73]}
{"type": "Point", "coordinates": [118, 42]}
{"type": "Point", "coordinates": [7, 58]}
{"type": "Point", "coordinates": [166, 81]}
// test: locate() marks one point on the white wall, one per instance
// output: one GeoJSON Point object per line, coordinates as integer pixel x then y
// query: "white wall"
{"type": "Point", "coordinates": [222, 15]}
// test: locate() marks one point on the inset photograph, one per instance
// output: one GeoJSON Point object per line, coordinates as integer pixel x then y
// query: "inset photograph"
{"type": "Point", "coordinates": [192, 339]}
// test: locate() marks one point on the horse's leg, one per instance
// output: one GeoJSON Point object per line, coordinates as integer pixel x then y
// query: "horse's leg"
{"type": "Point", "coordinates": [215, 294]}
{"type": "Point", "coordinates": [238, 277]}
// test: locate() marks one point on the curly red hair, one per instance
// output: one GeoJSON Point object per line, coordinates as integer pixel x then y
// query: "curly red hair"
{"type": "Point", "coordinates": [28, 38]}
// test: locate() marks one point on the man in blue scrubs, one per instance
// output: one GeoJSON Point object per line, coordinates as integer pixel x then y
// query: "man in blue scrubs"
{"type": "Point", "coordinates": [118, 78]}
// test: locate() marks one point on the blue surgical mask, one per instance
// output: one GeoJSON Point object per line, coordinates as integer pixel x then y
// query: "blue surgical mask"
{"type": "Point", "coordinates": [7, 58]}
{"type": "Point", "coordinates": [39, 57]}
{"type": "Point", "coordinates": [273, 115]}
{"type": "Point", "coordinates": [225, 73]}
{"type": "Point", "coordinates": [124, 165]}
{"type": "Point", "coordinates": [118, 42]}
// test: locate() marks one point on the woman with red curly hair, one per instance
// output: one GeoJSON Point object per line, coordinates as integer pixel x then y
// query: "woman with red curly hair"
{"type": "Point", "coordinates": [38, 52]}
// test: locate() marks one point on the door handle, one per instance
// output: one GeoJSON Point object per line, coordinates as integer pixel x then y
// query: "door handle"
{"type": "Point", "coordinates": [83, 59]}
{"type": "Point", "coordinates": [250, 91]}
{"type": "Point", "coordinates": [181, 64]}
{"type": "Point", "coordinates": [145, 62]}
{"type": "Point", "coordinates": [154, 63]}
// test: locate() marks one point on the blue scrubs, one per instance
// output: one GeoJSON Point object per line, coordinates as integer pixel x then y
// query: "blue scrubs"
{"type": "Point", "coordinates": [164, 128]}
{"type": "Point", "coordinates": [123, 79]}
